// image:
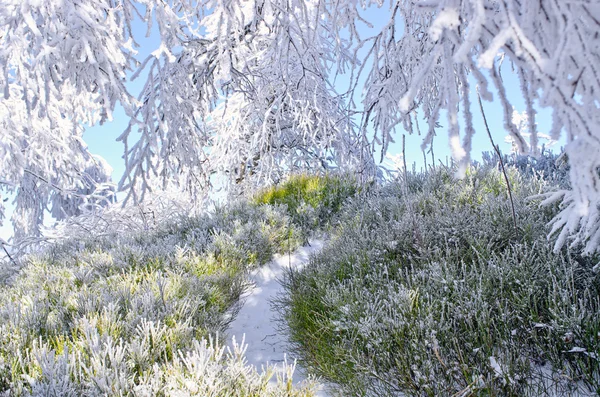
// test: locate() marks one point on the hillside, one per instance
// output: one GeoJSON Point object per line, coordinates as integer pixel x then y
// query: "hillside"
{"type": "Point", "coordinates": [424, 287]}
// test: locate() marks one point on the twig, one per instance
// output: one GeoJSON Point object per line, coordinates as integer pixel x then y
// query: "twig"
{"type": "Point", "coordinates": [416, 231]}
{"type": "Point", "coordinates": [436, 350]}
{"type": "Point", "coordinates": [404, 153]}
{"type": "Point", "coordinates": [497, 149]}
{"type": "Point", "coordinates": [7, 254]}
{"type": "Point", "coordinates": [267, 336]}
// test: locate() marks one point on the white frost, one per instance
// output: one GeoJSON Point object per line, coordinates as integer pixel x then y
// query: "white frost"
{"type": "Point", "coordinates": [256, 322]}
{"type": "Point", "coordinates": [447, 19]}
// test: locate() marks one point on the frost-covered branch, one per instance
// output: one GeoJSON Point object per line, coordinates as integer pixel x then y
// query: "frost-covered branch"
{"type": "Point", "coordinates": [245, 90]}
{"type": "Point", "coordinates": [249, 99]}
{"type": "Point", "coordinates": [447, 45]}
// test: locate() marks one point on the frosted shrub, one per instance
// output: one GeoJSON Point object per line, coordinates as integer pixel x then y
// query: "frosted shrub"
{"type": "Point", "coordinates": [427, 288]}
{"type": "Point", "coordinates": [548, 166]}
{"type": "Point", "coordinates": [103, 369]}
{"type": "Point", "coordinates": [128, 309]}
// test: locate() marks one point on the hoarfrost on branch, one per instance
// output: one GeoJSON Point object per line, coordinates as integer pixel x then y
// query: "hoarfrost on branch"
{"type": "Point", "coordinates": [245, 89]}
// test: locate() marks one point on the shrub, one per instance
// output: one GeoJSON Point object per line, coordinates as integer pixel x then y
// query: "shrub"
{"type": "Point", "coordinates": [428, 289]}
{"type": "Point", "coordinates": [130, 313]}
{"type": "Point", "coordinates": [311, 200]}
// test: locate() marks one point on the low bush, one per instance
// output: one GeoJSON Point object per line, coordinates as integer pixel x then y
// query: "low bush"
{"type": "Point", "coordinates": [311, 200]}
{"type": "Point", "coordinates": [129, 313]}
{"type": "Point", "coordinates": [427, 288]}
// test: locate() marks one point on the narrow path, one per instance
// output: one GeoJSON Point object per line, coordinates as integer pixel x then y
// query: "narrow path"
{"type": "Point", "coordinates": [256, 323]}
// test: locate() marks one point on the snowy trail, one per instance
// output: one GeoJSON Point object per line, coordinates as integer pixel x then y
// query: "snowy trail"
{"type": "Point", "coordinates": [256, 324]}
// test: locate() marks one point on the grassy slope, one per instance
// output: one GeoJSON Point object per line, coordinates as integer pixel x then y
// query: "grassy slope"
{"type": "Point", "coordinates": [427, 289]}
{"type": "Point", "coordinates": [129, 314]}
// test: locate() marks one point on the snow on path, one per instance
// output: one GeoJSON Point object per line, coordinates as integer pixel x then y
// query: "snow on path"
{"type": "Point", "coordinates": [255, 322]}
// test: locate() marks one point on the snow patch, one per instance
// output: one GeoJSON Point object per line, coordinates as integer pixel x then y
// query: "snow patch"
{"type": "Point", "coordinates": [256, 324]}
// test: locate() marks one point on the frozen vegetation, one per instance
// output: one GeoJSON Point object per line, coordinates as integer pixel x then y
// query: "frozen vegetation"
{"type": "Point", "coordinates": [428, 285]}
{"type": "Point", "coordinates": [428, 289]}
{"type": "Point", "coordinates": [138, 302]}
{"type": "Point", "coordinates": [424, 287]}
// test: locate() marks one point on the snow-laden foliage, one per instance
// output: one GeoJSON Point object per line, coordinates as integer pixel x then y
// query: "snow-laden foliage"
{"type": "Point", "coordinates": [521, 121]}
{"type": "Point", "coordinates": [97, 192]}
{"type": "Point", "coordinates": [248, 96]}
{"type": "Point", "coordinates": [552, 168]}
{"type": "Point", "coordinates": [427, 288]}
{"type": "Point", "coordinates": [61, 65]}
{"type": "Point", "coordinates": [127, 309]}
{"type": "Point", "coordinates": [99, 219]}
{"type": "Point", "coordinates": [159, 210]}
{"type": "Point", "coordinates": [245, 88]}
{"type": "Point", "coordinates": [98, 365]}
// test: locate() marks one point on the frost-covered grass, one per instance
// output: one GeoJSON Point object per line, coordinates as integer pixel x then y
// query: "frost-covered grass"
{"type": "Point", "coordinates": [427, 289]}
{"type": "Point", "coordinates": [311, 200]}
{"type": "Point", "coordinates": [137, 302]}
{"type": "Point", "coordinates": [130, 313]}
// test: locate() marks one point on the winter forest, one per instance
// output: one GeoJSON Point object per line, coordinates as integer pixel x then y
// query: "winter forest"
{"type": "Point", "coordinates": [313, 198]}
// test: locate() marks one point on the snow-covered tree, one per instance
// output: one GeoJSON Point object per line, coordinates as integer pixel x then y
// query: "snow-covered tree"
{"type": "Point", "coordinates": [248, 95]}
{"type": "Point", "coordinates": [246, 88]}
{"type": "Point", "coordinates": [62, 64]}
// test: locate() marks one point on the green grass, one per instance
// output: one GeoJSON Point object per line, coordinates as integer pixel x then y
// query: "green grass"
{"type": "Point", "coordinates": [311, 200]}
{"type": "Point", "coordinates": [427, 285]}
